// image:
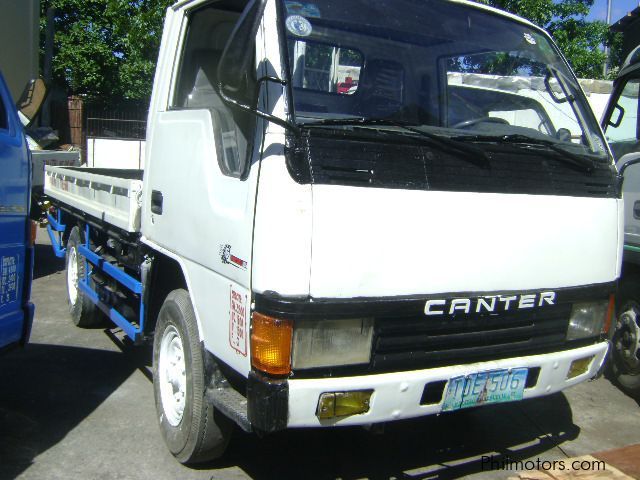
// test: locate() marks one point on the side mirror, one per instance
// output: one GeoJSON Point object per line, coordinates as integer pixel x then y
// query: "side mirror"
{"type": "Point", "coordinates": [31, 100]}
{"type": "Point", "coordinates": [235, 64]}
{"type": "Point", "coordinates": [563, 134]}
{"type": "Point", "coordinates": [550, 90]}
{"type": "Point", "coordinates": [616, 123]}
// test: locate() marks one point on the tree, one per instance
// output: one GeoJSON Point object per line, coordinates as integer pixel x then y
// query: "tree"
{"type": "Point", "coordinates": [579, 39]}
{"type": "Point", "coordinates": [106, 49]}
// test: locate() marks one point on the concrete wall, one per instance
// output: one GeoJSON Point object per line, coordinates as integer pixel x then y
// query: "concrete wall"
{"type": "Point", "coordinates": [115, 153]}
{"type": "Point", "coordinates": [19, 38]}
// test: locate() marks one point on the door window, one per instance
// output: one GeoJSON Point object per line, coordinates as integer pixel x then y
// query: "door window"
{"type": "Point", "coordinates": [197, 86]}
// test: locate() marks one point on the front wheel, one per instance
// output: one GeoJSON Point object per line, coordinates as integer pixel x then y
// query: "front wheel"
{"type": "Point", "coordinates": [192, 428]}
{"type": "Point", "coordinates": [625, 345]}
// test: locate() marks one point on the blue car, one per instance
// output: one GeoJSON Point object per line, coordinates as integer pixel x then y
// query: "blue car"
{"type": "Point", "coordinates": [16, 232]}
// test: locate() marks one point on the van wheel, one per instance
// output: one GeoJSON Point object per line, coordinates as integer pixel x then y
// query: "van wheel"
{"type": "Point", "coordinates": [192, 428]}
{"type": "Point", "coordinates": [83, 312]}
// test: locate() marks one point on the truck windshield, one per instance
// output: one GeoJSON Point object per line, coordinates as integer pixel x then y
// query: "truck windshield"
{"type": "Point", "coordinates": [447, 68]}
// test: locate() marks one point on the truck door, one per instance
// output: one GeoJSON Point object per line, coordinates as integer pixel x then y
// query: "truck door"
{"type": "Point", "coordinates": [15, 253]}
{"type": "Point", "coordinates": [623, 134]}
{"type": "Point", "coordinates": [201, 174]}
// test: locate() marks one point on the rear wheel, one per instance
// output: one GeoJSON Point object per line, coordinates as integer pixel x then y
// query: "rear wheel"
{"type": "Point", "coordinates": [192, 428]}
{"type": "Point", "coordinates": [83, 311]}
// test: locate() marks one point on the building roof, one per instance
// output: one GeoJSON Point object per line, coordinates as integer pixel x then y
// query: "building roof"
{"type": "Point", "coordinates": [626, 21]}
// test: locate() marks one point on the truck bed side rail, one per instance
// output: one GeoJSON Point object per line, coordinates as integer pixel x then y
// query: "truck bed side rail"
{"type": "Point", "coordinates": [135, 332]}
{"type": "Point", "coordinates": [56, 229]}
{"type": "Point", "coordinates": [114, 199]}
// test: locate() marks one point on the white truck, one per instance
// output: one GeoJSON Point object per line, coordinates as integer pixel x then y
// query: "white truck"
{"type": "Point", "coordinates": [622, 127]}
{"type": "Point", "coordinates": [331, 231]}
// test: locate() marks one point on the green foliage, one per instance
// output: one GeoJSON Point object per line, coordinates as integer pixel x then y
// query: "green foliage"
{"type": "Point", "coordinates": [614, 40]}
{"type": "Point", "coordinates": [580, 40]}
{"type": "Point", "coordinates": [106, 49]}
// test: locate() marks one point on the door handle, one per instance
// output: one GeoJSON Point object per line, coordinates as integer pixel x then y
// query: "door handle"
{"type": "Point", "coordinates": [636, 210]}
{"type": "Point", "coordinates": [156, 202]}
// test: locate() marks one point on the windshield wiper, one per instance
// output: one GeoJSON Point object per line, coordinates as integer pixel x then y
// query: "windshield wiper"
{"type": "Point", "coordinates": [474, 155]}
{"type": "Point", "coordinates": [584, 163]}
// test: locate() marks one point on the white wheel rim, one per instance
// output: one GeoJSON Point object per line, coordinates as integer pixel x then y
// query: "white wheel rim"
{"type": "Point", "coordinates": [172, 376]}
{"type": "Point", "coordinates": [72, 276]}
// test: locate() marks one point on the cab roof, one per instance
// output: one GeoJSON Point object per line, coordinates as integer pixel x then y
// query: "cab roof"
{"type": "Point", "coordinates": [632, 62]}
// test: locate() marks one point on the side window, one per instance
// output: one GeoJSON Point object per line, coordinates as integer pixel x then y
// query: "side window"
{"type": "Point", "coordinates": [197, 86]}
{"type": "Point", "coordinates": [622, 130]}
{"type": "Point", "coordinates": [4, 120]}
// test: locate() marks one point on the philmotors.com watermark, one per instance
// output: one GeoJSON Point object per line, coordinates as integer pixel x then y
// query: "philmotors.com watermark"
{"type": "Point", "coordinates": [490, 462]}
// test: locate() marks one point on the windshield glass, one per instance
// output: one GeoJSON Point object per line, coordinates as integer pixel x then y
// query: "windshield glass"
{"type": "Point", "coordinates": [440, 66]}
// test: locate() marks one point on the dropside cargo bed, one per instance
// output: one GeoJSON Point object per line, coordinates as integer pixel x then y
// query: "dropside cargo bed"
{"type": "Point", "coordinates": [111, 195]}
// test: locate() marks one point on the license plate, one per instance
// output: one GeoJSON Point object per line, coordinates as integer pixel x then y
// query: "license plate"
{"type": "Point", "coordinates": [481, 388]}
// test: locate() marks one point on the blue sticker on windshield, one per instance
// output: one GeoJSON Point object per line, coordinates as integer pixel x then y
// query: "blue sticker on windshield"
{"type": "Point", "coordinates": [299, 26]}
{"type": "Point", "coordinates": [310, 10]}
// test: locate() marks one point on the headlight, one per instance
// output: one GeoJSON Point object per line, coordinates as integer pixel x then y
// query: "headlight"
{"type": "Point", "coordinates": [587, 319]}
{"type": "Point", "coordinates": [327, 343]}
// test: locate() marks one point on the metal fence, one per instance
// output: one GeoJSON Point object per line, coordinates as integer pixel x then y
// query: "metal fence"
{"type": "Point", "coordinates": [122, 124]}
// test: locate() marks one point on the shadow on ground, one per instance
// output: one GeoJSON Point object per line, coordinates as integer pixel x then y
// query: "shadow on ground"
{"type": "Point", "coordinates": [609, 375]}
{"type": "Point", "coordinates": [47, 390]}
{"type": "Point", "coordinates": [446, 446]}
{"type": "Point", "coordinates": [45, 262]}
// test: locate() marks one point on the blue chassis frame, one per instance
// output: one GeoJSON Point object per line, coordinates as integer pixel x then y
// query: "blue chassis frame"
{"type": "Point", "coordinates": [56, 229]}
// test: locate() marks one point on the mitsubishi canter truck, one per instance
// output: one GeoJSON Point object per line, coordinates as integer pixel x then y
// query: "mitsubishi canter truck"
{"type": "Point", "coordinates": [350, 213]}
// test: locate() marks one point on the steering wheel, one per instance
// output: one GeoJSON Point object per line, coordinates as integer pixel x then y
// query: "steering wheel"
{"type": "Point", "coordinates": [473, 121]}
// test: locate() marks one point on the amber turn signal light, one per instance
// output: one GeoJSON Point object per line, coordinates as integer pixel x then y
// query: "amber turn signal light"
{"type": "Point", "coordinates": [271, 344]}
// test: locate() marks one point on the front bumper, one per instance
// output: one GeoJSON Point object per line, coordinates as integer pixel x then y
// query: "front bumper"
{"type": "Point", "coordinates": [397, 395]}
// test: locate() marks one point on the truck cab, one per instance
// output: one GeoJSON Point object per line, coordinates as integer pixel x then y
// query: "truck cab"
{"type": "Point", "coordinates": [622, 128]}
{"type": "Point", "coordinates": [16, 230]}
{"type": "Point", "coordinates": [350, 213]}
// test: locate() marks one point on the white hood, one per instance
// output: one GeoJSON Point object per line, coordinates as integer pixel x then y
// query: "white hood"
{"type": "Point", "coordinates": [370, 242]}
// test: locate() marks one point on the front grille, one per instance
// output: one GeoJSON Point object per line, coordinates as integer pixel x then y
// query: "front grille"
{"type": "Point", "coordinates": [427, 342]}
{"type": "Point", "coordinates": [406, 339]}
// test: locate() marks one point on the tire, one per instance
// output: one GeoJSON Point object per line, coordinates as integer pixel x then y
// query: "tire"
{"type": "Point", "coordinates": [625, 340]}
{"type": "Point", "coordinates": [193, 429]}
{"type": "Point", "coordinates": [83, 311]}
